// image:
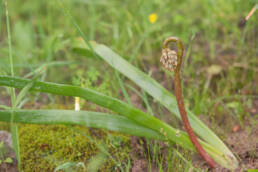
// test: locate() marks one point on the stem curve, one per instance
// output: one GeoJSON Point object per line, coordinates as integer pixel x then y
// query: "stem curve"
{"type": "Point", "coordinates": [172, 61]}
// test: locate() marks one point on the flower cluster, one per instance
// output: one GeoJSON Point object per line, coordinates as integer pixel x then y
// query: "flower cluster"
{"type": "Point", "coordinates": [169, 59]}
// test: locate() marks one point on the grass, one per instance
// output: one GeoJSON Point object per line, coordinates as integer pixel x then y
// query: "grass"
{"type": "Point", "coordinates": [13, 126]}
{"type": "Point", "coordinates": [42, 34]}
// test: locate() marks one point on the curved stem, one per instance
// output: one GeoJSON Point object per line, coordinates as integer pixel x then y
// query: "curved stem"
{"type": "Point", "coordinates": [180, 103]}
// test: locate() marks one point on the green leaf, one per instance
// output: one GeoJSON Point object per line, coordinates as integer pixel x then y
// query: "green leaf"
{"type": "Point", "coordinates": [111, 103]}
{"type": "Point", "coordinates": [82, 51]}
{"type": "Point", "coordinates": [5, 107]}
{"type": "Point", "coordinates": [14, 127]}
{"type": "Point", "coordinates": [86, 118]}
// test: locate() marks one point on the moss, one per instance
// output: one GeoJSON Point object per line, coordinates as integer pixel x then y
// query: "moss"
{"type": "Point", "coordinates": [44, 147]}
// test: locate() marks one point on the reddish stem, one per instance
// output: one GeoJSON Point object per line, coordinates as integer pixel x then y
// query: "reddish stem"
{"type": "Point", "coordinates": [180, 102]}
{"type": "Point", "coordinates": [186, 123]}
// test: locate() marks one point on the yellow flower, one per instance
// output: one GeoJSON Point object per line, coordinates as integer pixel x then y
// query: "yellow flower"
{"type": "Point", "coordinates": [153, 18]}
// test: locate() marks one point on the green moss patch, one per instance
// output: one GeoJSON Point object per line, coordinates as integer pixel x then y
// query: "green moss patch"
{"type": "Point", "coordinates": [44, 147]}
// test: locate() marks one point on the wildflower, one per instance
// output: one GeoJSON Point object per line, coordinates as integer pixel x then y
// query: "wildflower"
{"type": "Point", "coordinates": [153, 18]}
{"type": "Point", "coordinates": [169, 59]}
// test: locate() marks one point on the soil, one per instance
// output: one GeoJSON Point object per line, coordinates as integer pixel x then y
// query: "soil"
{"type": "Point", "coordinates": [242, 143]}
{"type": "Point", "coordinates": [138, 155]}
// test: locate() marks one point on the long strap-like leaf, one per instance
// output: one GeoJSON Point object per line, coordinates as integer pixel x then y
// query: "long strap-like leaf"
{"type": "Point", "coordinates": [111, 103]}
{"type": "Point", "coordinates": [136, 115]}
{"type": "Point", "coordinates": [86, 118]}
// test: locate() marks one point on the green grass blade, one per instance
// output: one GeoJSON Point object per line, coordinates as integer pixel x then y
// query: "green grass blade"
{"type": "Point", "coordinates": [100, 99]}
{"type": "Point", "coordinates": [5, 107]}
{"type": "Point", "coordinates": [14, 127]}
{"type": "Point", "coordinates": [86, 118]}
{"type": "Point", "coordinates": [23, 92]}
{"type": "Point", "coordinates": [143, 97]}
{"type": "Point", "coordinates": [123, 88]}
{"type": "Point", "coordinates": [15, 138]}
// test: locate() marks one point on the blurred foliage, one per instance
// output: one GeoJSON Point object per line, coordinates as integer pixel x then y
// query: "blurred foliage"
{"type": "Point", "coordinates": [92, 79]}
